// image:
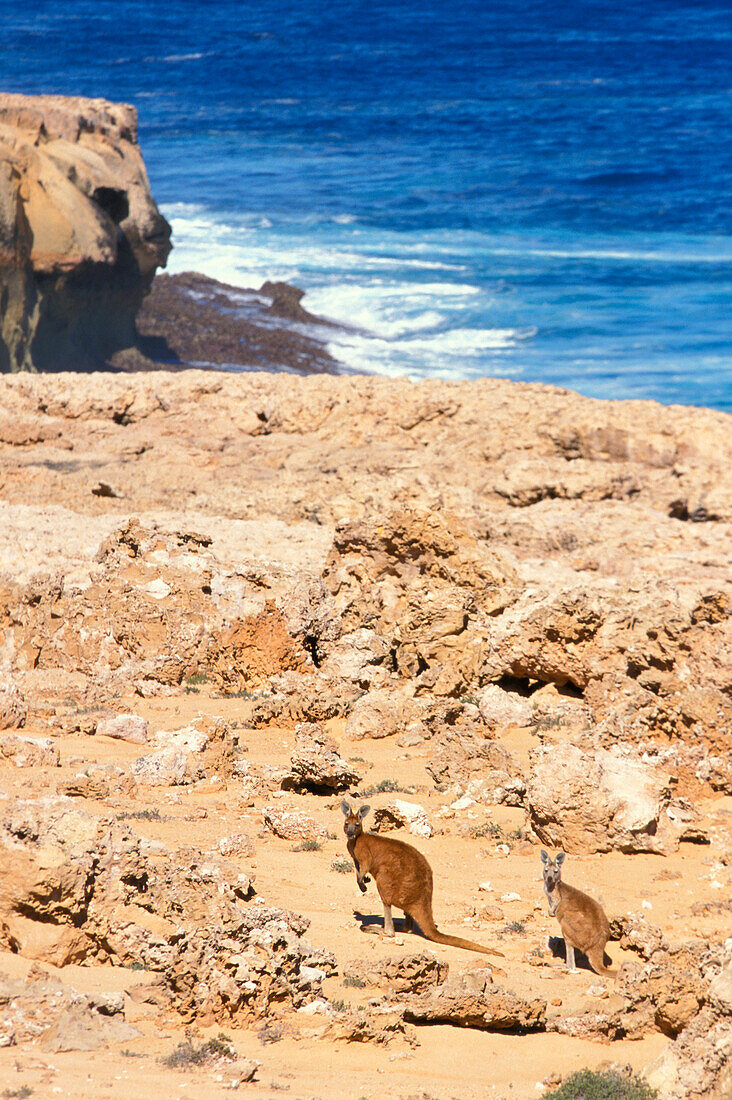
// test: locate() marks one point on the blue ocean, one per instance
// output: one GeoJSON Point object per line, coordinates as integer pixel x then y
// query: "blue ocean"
{"type": "Point", "coordinates": [512, 188]}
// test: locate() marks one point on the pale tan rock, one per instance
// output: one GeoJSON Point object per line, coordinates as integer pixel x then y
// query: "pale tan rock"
{"type": "Point", "coordinates": [292, 825]}
{"type": "Point", "coordinates": [166, 768]}
{"type": "Point", "coordinates": [500, 709]}
{"type": "Point", "coordinates": [316, 764]}
{"type": "Point", "coordinates": [398, 814]}
{"type": "Point", "coordinates": [13, 709]}
{"type": "Point", "coordinates": [471, 1000]}
{"type": "Point", "coordinates": [380, 713]}
{"type": "Point", "coordinates": [595, 802]}
{"type": "Point", "coordinates": [74, 201]}
{"type": "Point", "coordinates": [400, 973]}
{"type": "Point", "coordinates": [30, 752]}
{"type": "Point", "coordinates": [127, 727]}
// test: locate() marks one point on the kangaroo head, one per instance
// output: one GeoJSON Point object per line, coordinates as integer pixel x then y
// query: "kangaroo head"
{"type": "Point", "coordinates": [352, 826]}
{"type": "Point", "coordinates": [552, 869]}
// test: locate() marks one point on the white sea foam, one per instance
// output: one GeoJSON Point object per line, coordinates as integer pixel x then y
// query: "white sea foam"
{"type": "Point", "coordinates": [405, 322]}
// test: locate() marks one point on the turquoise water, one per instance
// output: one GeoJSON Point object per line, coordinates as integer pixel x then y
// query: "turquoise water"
{"type": "Point", "coordinates": [504, 189]}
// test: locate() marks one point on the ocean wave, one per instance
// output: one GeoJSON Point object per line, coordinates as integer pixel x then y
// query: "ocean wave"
{"type": "Point", "coordinates": [453, 353]}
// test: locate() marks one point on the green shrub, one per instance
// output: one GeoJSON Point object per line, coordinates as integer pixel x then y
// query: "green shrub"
{"type": "Point", "coordinates": [307, 846]}
{"type": "Point", "coordinates": [596, 1085]}
{"type": "Point", "coordinates": [342, 866]}
{"type": "Point", "coordinates": [188, 1054]}
{"type": "Point", "coordinates": [386, 786]}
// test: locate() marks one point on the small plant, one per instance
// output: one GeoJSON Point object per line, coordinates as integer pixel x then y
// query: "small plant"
{"type": "Point", "coordinates": [351, 979]}
{"type": "Point", "coordinates": [518, 834]}
{"type": "Point", "coordinates": [193, 682]}
{"type": "Point", "coordinates": [127, 1053]}
{"type": "Point", "coordinates": [490, 828]}
{"type": "Point", "coordinates": [543, 722]}
{"type": "Point", "coordinates": [270, 1033]}
{"type": "Point", "coordinates": [307, 846]}
{"type": "Point", "coordinates": [134, 965]}
{"type": "Point", "coordinates": [342, 866]}
{"type": "Point", "coordinates": [386, 786]}
{"type": "Point", "coordinates": [512, 926]}
{"type": "Point", "coordinates": [140, 815]}
{"type": "Point", "coordinates": [339, 1006]}
{"type": "Point", "coordinates": [21, 1093]}
{"type": "Point", "coordinates": [188, 1054]}
{"type": "Point", "coordinates": [243, 693]}
{"type": "Point", "coordinates": [590, 1085]}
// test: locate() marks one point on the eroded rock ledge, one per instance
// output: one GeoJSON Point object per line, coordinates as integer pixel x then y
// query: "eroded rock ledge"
{"type": "Point", "coordinates": [80, 234]}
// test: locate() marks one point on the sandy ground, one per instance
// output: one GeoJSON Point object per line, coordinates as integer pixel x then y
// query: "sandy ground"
{"type": "Point", "coordinates": [449, 1062]}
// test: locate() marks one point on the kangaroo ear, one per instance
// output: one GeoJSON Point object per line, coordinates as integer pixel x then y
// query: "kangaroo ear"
{"type": "Point", "coordinates": [560, 859]}
{"type": "Point", "coordinates": [346, 808]}
{"type": "Point", "coordinates": [544, 856]}
{"type": "Point", "coordinates": [363, 811]}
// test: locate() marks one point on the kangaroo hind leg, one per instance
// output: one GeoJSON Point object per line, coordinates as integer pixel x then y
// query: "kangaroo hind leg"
{"type": "Point", "coordinates": [571, 965]}
{"type": "Point", "coordinates": [388, 922]}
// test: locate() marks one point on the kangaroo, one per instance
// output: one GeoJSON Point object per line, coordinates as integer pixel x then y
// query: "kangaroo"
{"type": "Point", "coordinates": [581, 919]}
{"type": "Point", "coordinates": [403, 878]}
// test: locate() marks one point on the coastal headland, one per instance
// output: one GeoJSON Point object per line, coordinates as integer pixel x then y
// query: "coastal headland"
{"type": "Point", "coordinates": [497, 613]}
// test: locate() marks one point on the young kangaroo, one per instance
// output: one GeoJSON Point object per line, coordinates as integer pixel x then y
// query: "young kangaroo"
{"type": "Point", "coordinates": [403, 878]}
{"type": "Point", "coordinates": [582, 920]}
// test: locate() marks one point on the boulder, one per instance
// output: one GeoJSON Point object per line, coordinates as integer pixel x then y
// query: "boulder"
{"type": "Point", "coordinates": [598, 802]}
{"type": "Point", "coordinates": [471, 1000]}
{"type": "Point", "coordinates": [316, 764]}
{"type": "Point", "coordinates": [292, 825]}
{"type": "Point", "coordinates": [128, 727]}
{"type": "Point", "coordinates": [13, 709]}
{"type": "Point", "coordinates": [383, 713]}
{"type": "Point", "coordinates": [30, 752]}
{"type": "Point", "coordinates": [167, 768]}
{"type": "Point", "coordinates": [500, 709]}
{"type": "Point", "coordinates": [397, 814]}
{"type": "Point", "coordinates": [399, 973]}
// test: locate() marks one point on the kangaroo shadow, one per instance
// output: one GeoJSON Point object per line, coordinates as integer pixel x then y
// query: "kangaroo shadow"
{"type": "Point", "coordinates": [558, 948]}
{"type": "Point", "coordinates": [374, 925]}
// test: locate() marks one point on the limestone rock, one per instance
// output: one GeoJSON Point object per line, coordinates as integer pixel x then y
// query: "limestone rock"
{"type": "Point", "coordinates": [187, 739]}
{"type": "Point", "coordinates": [471, 1000]}
{"type": "Point", "coordinates": [398, 814]}
{"type": "Point", "coordinates": [468, 763]}
{"type": "Point", "coordinates": [426, 581]}
{"type": "Point", "coordinates": [499, 708]}
{"type": "Point", "coordinates": [13, 709]}
{"type": "Point", "coordinates": [80, 235]}
{"type": "Point", "coordinates": [167, 768]}
{"type": "Point", "coordinates": [128, 727]}
{"type": "Point", "coordinates": [594, 803]}
{"type": "Point", "coordinates": [400, 973]}
{"type": "Point", "coordinates": [30, 752]}
{"type": "Point", "coordinates": [316, 764]}
{"type": "Point", "coordinates": [292, 825]}
{"type": "Point", "coordinates": [382, 713]}
{"type": "Point", "coordinates": [59, 1017]}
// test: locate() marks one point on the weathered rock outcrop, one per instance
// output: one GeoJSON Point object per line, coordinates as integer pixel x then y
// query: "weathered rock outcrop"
{"type": "Point", "coordinates": [80, 234]}
{"type": "Point", "coordinates": [594, 803]}
{"type": "Point", "coordinates": [471, 1000]}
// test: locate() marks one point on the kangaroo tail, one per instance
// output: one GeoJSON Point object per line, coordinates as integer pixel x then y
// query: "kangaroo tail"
{"type": "Point", "coordinates": [598, 964]}
{"type": "Point", "coordinates": [425, 920]}
{"type": "Point", "coordinates": [457, 941]}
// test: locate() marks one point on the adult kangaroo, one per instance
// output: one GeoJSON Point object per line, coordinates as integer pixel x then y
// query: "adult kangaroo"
{"type": "Point", "coordinates": [403, 878]}
{"type": "Point", "coordinates": [581, 918]}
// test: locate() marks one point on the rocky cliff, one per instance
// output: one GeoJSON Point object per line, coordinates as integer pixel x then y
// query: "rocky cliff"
{"type": "Point", "coordinates": [80, 234]}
